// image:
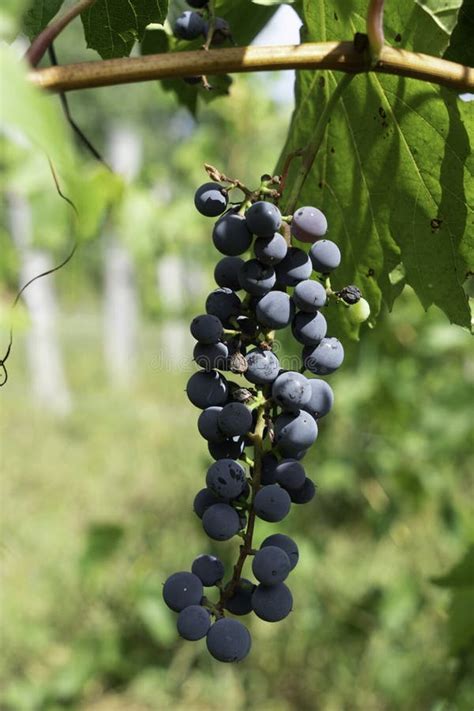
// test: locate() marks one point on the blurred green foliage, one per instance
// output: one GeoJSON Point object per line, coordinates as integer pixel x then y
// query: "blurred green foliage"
{"type": "Point", "coordinates": [99, 512]}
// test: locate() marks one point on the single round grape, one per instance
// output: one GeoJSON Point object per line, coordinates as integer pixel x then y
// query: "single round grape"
{"type": "Point", "coordinates": [247, 325]}
{"type": "Point", "coordinates": [295, 431]}
{"type": "Point", "coordinates": [309, 329]}
{"type": "Point", "coordinates": [228, 640]}
{"type": "Point", "coordinates": [290, 475]}
{"type": "Point", "coordinates": [207, 329]}
{"type": "Point", "coordinates": [240, 603]}
{"type": "Point", "coordinates": [181, 590]}
{"type": "Point", "coordinates": [292, 453]}
{"type": "Point", "coordinates": [207, 424]}
{"type": "Point", "coordinates": [309, 296]}
{"type": "Point", "coordinates": [193, 622]}
{"type": "Point", "coordinates": [308, 224]}
{"type": "Point", "coordinates": [270, 250]}
{"type": "Point", "coordinates": [285, 543]}
{"type": "Point", "coordinates": [231, 235]}
{"type": "Point", "coordinates": [325, 358]}
{"type": "Point", "coordinates": [321, 400]}
{"type": "Point", "coordinates": [291, 390]}
{"type": "Point", "coordinates": [269, 464]}
{"type": "Point", "coordinates": [212, 355]}
{"type": "Point", "coordinates": [221, 522]}
{"type": "Point", "coordinates": [226, 478]}
{"type": "Point", "coordinates": [189, 26]}
{"type": "Point", "coordinates": [272, 503]}
{"type": "Point", "coordinates": [305, 494]}
{"type": "Point", "coordinates": [203, 500]}
{"type": "Point", "coordinates": [256, 278]}
{"type": "Point", "coordinates": [227, 449]}
{"type": "Point", "coordinates": [235, 419]}
{"type": "Point", "coordinates": [275, 310]}
{"type": "Point", "coordinates": [359, 312]}
{"type": "Point", "coordinates": [207, 388]}
{"type": "Point", "coordinates": [263, 367]}
{"type": "Point", "coordinates": [208, 568]}
{"type": "Point", "coordinates": [271, 565]}
{"type": "Point", "coordinates": [221, 31]}
{"type": "Point", "coordinates": [295, 267]}
{"type": "Point", "coordinates": [226, 273]}
{"type": "Point", "coordinates": [325, 256]}
{"type": "Point", "coordinates": [263, 218]}
{"type": "Point", "coordinates": [223, 303]}
{"type": "Point", "coordinates": [272, 603]}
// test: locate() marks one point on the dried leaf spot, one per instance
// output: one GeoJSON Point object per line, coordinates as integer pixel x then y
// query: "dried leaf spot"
{"type": "Point", "coordinates": [436, 224]}
{"type": "Point", "coordinates": [398, 38]}
{"type": "Point", "coordinates": [371, 272]}
{"type": "Point", "coordinates": [382, 112]}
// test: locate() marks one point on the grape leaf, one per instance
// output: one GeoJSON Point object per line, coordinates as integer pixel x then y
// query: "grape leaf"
{"type": "Point", "coordinates": [460, 579]}
{"type": "Point", "coordinates": [394, 174]}
{"type": "Point", "coordinates": [111, 27]}
{"type": "Point", "coordinates": [461, 46]}
{"type": "Point", "coordinates": [38, 15]}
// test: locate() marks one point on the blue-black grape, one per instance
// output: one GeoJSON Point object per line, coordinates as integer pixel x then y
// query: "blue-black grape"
{"type": "Point", "coordinates": [325, 256]}
{"type": "Point", "coordinates": [270, 250]}
{"type": "Point", "coordinates": [275, 310]}
{"type": "Point", "coordinates": [226, 273]}
{"type": "Point", "coordinates": [256, 278]}
{"type": "Point", "coordinates": [268, 468]}
{"type": "Point", "coordinates": [211, 356]}
{"type": "Point", "coordinates": [291, 390]}
{"type": "Point", "coordinates": [227, 449]}
{"type": "Point", "coordinates": [228, 640]}
{"type": "Point", "coordinates": [325, 358]}
{"type": "Point", "coordinates": [235, 419]}
{"type": "Point", "coordinates": [290, 475]}
{"type": "Point", "coordinates": [181, 590]}
{"type": "Point", "coordinates": [272, 603]}
{"type": "Point", "coordinates": [207, 329]}
{"type": "Point", "coordinates": [295, 267]}
{"type": "Point", "coordinates": [189, 26]}
{"type": "Point", "coordinates": [271, 565]}
{"type": "Point", "coordinates": [321, 400]}
{"type": "Point", "coordinates": [292, 453]}
{"type": "Point", "coordinates": [207, 424]}
{"type": "Point", "coordinates": [263, 218]}
{"type": "Point", "coordinates": [223, 303]}
{"type": "Point", "coordinates": [272, 503]}
{"type": "Point", "coordinates": [205, 389]}
{"type": "Point", "coordinates": [203, 500]}
{"type": "Point", "coordinates": [240, 602]}
{"type": "Point", "coordinates": [309, 296]}
{"type": "Point", "coordinates": [221, 522]}
{"type": "Point", "coordinates": [309, 329]}
{"type": "Point", "coordinates": [193, 622]}
{"type": "Point", "coordinates": [231, 235]}
{"type": "Point", "coordinates": [263, 367]}
{"type": "Point", "coordinates": [308, 224]}
{"type": "Point", "coordinates": [226, 478]}
{"type": "Point", "coordinates": [305, 494]}
{"type": "Point", "coordinates": [208, 568]}
{"type": "Point", "coordinates": [295, 431]}
{"type": "Point", "coordinates": [285, 543]}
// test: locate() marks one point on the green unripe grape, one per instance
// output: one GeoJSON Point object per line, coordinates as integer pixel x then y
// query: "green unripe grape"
{"type": "Point", "coordinates": [359, 312]}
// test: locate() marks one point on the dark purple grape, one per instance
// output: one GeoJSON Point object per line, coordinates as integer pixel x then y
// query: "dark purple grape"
{"type": "Point", "coordinates": [291, 391]}
{"type": "Point", "coordinates": [308, 224]}
{"type": "Point", "coordinates": [263, 218]}
{"type": "Point", "coordinates": [228, 640]}
{"type": "Point", "coordinates": [290, 475]}
{"type": "Point", "coordinates": [235, 419]}
{"type": "Point", "coordinates": [309, 296]}
{"type": "Point", "coordinates": [226, 478]}
{"type": "Point", "coordinates": [223, 303]}
{"type": "Point", "coordinates": [325, 358]}
{"type": "Point", "coordinates": [321, 400]}
{"type": "Point", "coordinates": [295, 431]}
{"type": "Point", "coordinates": [210, 199]}
{"type": "Point", "coordinates": [211, 356]}
{"type": "Point", "coordinates": [270, 250]}
{"type": "Point", "coordinates": [285, 543]}
{"type": "Point", "coordinates": [309, 329]}
{"type": "Point", "coordinates": [240, 603]}
{"type": "Point", "coordinates": [271, 565]}
{"type": "Point", "coordinates": [256, 278]}
{"type": "Point", "coordinates": [207, 329]}
{"type": "Point", "coordinates": [226, 273]}
{"type": "Point", "coordinates": [208, 568]}
{"type": "Point", "coordinates": [221, 522]}
{"type": "Point", "coordinates": [263, 367]}
{"type": "Point", "coordinates": [207, 389]}
{"type": "Point", "coordinates": [203, 500]}
{"type": "Point", "coordinates": [272, 503]}
{"type": "Point", "coordinates": [231, 235]}
{"type": "Point", "coordinates": [181, 590]}
{"type": "Point", "coordinates": [275, 310]}
{"type": "Point", "coordinates": [295, 267]}
{"type": "Point", "coordinates": [272, 603]}
{"type": "Point", "coordinates": [193, 622]}
{"type": "Point", "coordinates": [325, 256]}
{"type": "Point", "coordinates": [305, 494]}
{"type": "Point", "coordinates": [227, 449]}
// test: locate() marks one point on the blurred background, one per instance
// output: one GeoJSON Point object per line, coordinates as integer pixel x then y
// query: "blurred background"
{"type": "Point", "coordinates": [101, 457]}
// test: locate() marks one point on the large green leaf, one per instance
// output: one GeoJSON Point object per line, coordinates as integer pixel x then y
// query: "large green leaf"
{"type": "Point", "coordinates": [39, 13]}
{"type": "Point", "coordinates": [394, 174]}
{"type": "Point", "coordinates": [461, 46]}
{"type": "Point", "coordinates": [111, 27]}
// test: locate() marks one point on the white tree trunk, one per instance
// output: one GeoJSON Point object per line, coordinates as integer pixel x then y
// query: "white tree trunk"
{"type": "Point", "coordinates": [121, 304]}
{"type": "Point", "coordinates": [45, 363]}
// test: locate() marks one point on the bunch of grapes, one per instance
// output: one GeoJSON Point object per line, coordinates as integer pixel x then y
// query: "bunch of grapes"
{"type": "Point", "coordinates": [275, 414]}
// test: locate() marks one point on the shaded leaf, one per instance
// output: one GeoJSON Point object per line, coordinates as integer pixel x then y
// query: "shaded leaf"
{"type": "Point", "coordinates": [112, 27]}
{"type": "Point", "coordinates": [103, 539]}
{"type": "Point", "coordinates": [461, 46]}
{"type": "Point", "coordinates": [38, 15]}
{"type": "Point", "coordinates": [394, 174]}
{"type": "Point", "coordinates": [461, 574]}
